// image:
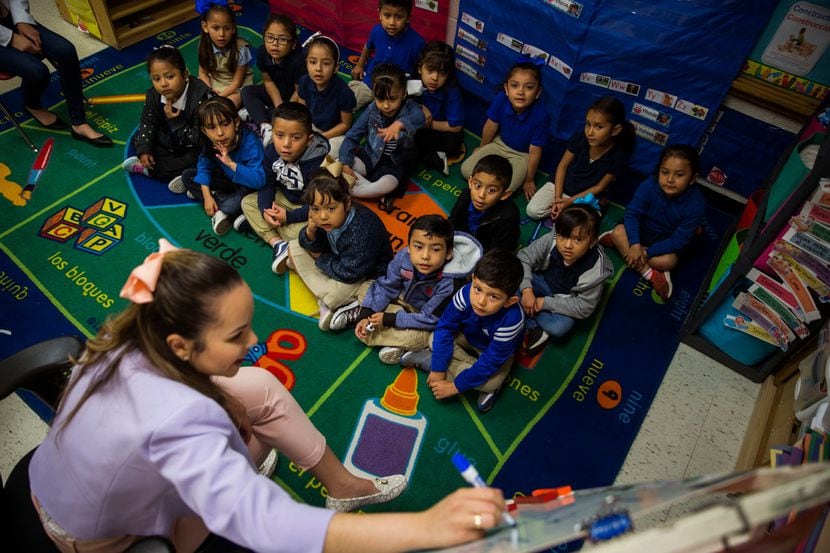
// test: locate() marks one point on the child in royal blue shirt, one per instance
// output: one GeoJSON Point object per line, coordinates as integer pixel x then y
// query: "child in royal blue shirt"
{"type": "Point", "coordinates": [661, 219]}
{"type": "Point", "coordinates": [517, 126]}
{"type": "Point", "coordinates": [230, 167]}
{"type": "Point", "coordinates": [392, 41]}
{"type": "Point", "coordinates": [442, 137]}
{"type": "Point", "coordinates": [478, 334]}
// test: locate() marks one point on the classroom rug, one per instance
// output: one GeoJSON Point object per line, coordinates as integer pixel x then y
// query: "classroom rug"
{"type": "Point", "coordinates": [566, 417]}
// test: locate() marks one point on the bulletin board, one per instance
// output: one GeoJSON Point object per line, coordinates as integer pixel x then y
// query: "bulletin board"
{"type": "Point", "coordinates": [349, 21]}
{"type": "Point", "coordinates": [670, 62]}
{"type": "Point", "coordinates": [789, 66]}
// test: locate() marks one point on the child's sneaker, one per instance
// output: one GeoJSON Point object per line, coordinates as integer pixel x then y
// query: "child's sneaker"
{"type": "Point", "coordinates": [421, 359]}
{"type": "Point", "coordinates": [280, 263]}
{"type": "Point", "coordinates": [325, 316]}
{"type": "Point", "coordinates": [133, 165]}
{"type": "Point", "coordinates": [446, 168]}
{"type": "Point", "coordinates": [605, 240]}
{"type": "Point", "coordinates": [536, 339]}
{"type": "Point", "coordinates": [176, 186]}
{"type": "Point", "coordinates": [486, 400]}
{"type": "Point", "coordinates": [345, 317]}
{"type": "Point", "coordinates": [241, 224]}
{"type": "Point", "coordinates": [661, 282]}
{"type": "Point", "coordinates": [244, 116]}
{"type": "Point", "coordinates": [190, 195]}
{"type": "Point", "coordinates": [265, 132]}
{"type": "Point", "coordinates": [269, 465]}
{"type": "Point", "coordinates": [390, 355]}
{"type": "Point", "coordinates": [221, 223]}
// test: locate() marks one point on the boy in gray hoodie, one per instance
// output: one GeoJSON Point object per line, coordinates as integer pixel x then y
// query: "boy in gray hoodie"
{"type": "Point", "coordinates": [564, 273]}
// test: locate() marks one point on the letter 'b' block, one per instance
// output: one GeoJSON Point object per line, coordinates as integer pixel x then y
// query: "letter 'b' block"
{"type": "Point", "coordinates": [63, 225]}
{"type": "Point", "coordinates": [95, 242]}
{"type": "Point", "coordinates": [104, 213]}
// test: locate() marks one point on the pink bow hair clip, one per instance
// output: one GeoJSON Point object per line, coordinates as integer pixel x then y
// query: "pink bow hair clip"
{"type": "Point", "coordinates": [142, 281]}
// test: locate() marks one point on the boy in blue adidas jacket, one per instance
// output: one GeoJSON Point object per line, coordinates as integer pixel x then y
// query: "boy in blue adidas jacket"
{"type": "Point", "coordinates": [478, 333]}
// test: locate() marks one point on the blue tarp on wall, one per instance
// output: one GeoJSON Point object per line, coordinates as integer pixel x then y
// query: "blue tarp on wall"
{"type": "Point", "coordinates": [670, 62]}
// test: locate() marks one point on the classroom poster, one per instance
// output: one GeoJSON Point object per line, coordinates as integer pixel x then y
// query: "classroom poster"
{"type": "Point", "coordinates": [793, 52]}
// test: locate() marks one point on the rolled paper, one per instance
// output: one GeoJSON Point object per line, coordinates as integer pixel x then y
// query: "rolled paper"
{"type": "Point", "coordinates": [116, 99]}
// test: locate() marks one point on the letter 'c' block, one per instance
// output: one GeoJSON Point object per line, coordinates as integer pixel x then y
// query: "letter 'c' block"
{"type": "Point", "coordinates": [63, 225]}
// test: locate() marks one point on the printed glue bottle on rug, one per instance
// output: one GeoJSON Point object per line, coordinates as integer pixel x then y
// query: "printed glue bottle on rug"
{"type": "Point", "coordinates": [389, 431]}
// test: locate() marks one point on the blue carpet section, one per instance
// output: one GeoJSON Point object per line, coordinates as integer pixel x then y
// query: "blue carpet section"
{"type": "Point", "coordinates": [581, 436]}
{"type": "Point", "coordinates": [606, 400]}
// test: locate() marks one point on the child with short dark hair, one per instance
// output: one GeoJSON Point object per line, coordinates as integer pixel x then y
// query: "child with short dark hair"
{"type": "Point", "coordinates": [391, 41]}
{"type": "Point", "coordinates": [276, 211]}
{"type": "Point", "coordinates": [564, 274]}
{"type": "Point", "coordinates": [478, 334]}
{"type": "Point", "coordinates": [281, 64]}
{"type": "Point", "coordinates": [661, 219]}
{"type": "Point", "coordinates": [230, 166]}
{"type": "Point", "coordinates": [388, 125]}
{"type": "Point", "coordinates": [517, 125]}
{"type": "Point", "coordinates": [343, 244]}
{"type": "Point", "coordinates": [595, 156]}
{"type": "Point", "coordinates": [168, 136]}
{"type": "Point", "coordinates": [400, 309]}
{"type": "Point", "coordinates": [443, 135]}
{"type": "Point", "coordinates": [485, 209]}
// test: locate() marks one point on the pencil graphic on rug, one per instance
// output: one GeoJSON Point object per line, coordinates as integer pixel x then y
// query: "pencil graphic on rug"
{"type": "Point", "coordinates": [41, 161]}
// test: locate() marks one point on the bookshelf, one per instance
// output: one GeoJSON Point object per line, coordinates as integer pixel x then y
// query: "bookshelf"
{"type": "Point", "coordinates": [125, 22]}
{"type": "Point", "coordinates": [772, 218]}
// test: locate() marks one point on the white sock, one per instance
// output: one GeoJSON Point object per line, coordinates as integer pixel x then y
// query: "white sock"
{"type": "Point", "coordinates": [647, 273]}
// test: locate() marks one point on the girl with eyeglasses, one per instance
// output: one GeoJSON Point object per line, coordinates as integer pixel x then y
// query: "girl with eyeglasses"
{"type": "Point", "coordinates": [281, 65]}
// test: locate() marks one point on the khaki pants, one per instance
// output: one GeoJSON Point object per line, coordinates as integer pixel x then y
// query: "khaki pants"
{"type": "Point", "coordinates": [277, 421]}
{"type": "Point", "coordinates": [331, 292]}
{"type": "Point", "coordinates": [411, 339]}
{"type": "Point", "coordinates": [463, 358]}
{"type": "Point", "coordinates": [362, 93]}
{"type": "Point", "coordinates": [518, 161]}
{"type": "Point", "coordinates": [263, 229]}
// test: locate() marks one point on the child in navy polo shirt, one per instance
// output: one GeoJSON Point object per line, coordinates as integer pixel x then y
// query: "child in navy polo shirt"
{"type": "Point", "coordinates": [485, 209]}
{"type": "Point", "coordinates": [517, 125]}
{"type": "Point", "coordinates": [661, 219]}
{"type": "Point", "coordinates": [595, 156]}
{"type": "Point", "coordinates": [440, 99]}
{"type": "Point", "coordinates": [327, 96]}
{"type": "Point", "coordinates": [478, 334]}
{"type": "Point", "coordinates": [281, 65]}
{"type": "Point", "coordinates": [392, 41]}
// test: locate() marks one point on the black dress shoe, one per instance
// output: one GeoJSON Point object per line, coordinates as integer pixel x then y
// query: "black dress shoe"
{"type": "Point", "coordinates": [57, 125]}
{"type": "Point", "coordinates": [102, 141]}
{"type": "Point", "coordinates": [387, 203]}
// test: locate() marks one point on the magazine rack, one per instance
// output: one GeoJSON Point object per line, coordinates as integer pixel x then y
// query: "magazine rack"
{"type": "Point", "coordinates": [760, 235]}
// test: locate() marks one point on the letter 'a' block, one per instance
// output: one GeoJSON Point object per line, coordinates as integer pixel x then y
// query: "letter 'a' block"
{"type": "Point", "coordinates": [95, 241]}
{"type": "Point", "coordinates": [104, 213]}
{"type": "Point", "coordinates": [63, 225]}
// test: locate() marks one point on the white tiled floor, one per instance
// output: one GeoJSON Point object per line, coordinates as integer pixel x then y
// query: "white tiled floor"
{"type": "Point", "coordinates": [694, 426]}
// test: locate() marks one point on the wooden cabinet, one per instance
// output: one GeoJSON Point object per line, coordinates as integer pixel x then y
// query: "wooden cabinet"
{"type": "Point", "coordinates": [125, 22]}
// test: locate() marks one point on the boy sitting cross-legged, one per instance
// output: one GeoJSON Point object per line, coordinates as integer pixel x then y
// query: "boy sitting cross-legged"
{"type": "Point", "coordinates": [291, 158]}
{"type": "Point", "coordinates": [478, 334]}
{"type": "Point", "coordinates": [401, 308]}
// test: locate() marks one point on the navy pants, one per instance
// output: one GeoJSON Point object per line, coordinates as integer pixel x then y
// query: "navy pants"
{"type": "Point", "coordinates": [35, 74]}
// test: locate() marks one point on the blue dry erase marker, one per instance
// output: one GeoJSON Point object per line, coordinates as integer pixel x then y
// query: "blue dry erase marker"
{"type": "Point", "coordinates": [473, 478]}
